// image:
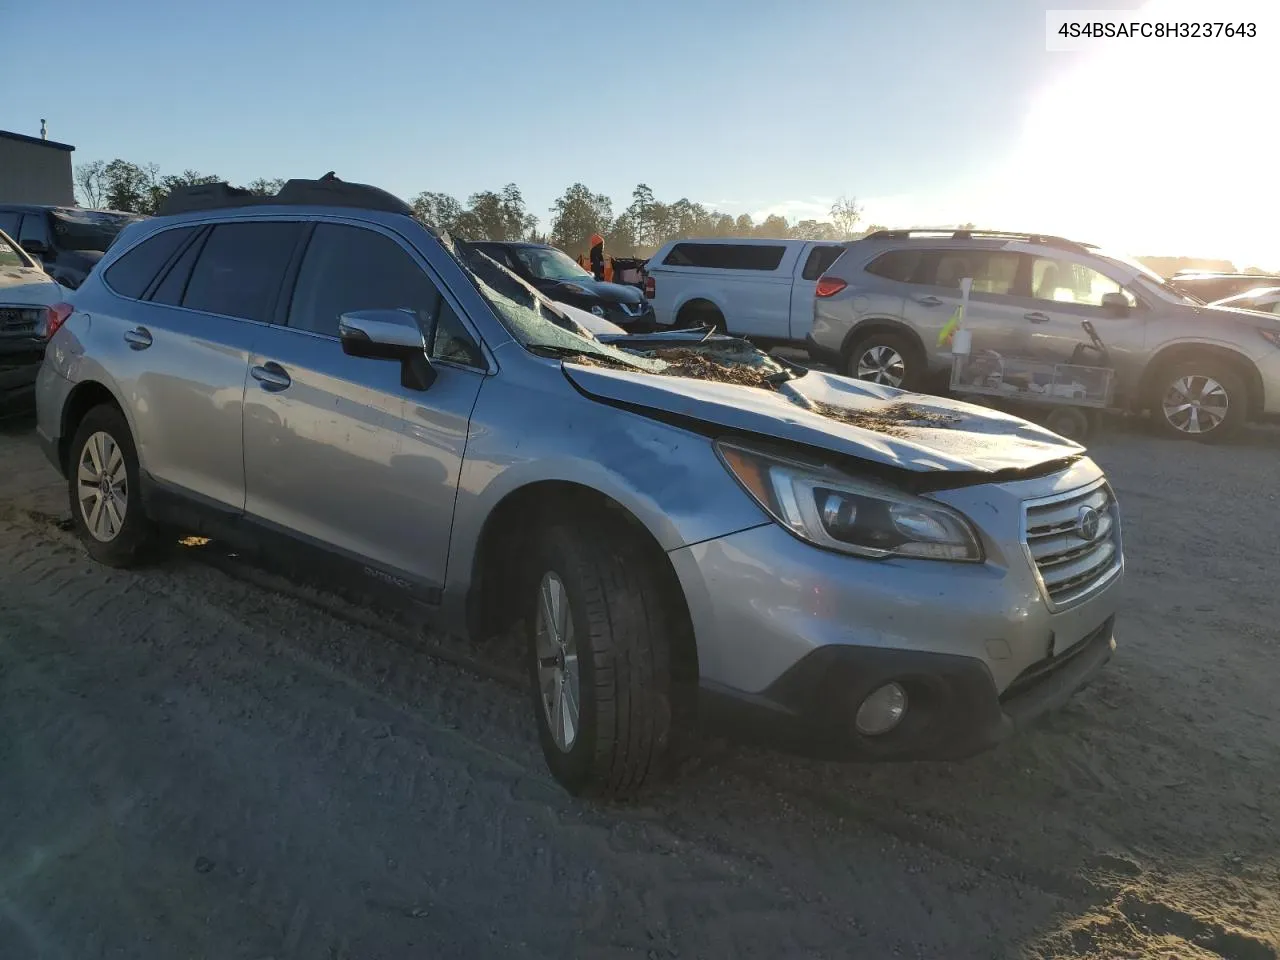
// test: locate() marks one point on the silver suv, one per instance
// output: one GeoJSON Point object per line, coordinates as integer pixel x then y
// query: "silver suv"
{"type": "Point", "coordinates": [836, 565]}
{"type": "Point", "coordinates": [1202, 371]}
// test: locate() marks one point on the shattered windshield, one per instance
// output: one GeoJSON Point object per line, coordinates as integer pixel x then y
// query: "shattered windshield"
{"type": "Point", "coordinates": [548, 263]}
{"type": "Point", "coordinates": [89, 229]}
{"type": "Point", "coordinates": [533, 320]}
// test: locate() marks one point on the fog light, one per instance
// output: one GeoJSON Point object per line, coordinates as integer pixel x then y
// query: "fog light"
{"type": "Point", "coordinates": [882, 710]}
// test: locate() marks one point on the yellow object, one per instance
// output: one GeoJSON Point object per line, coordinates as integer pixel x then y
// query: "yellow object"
{"type": "Point", "coordinates": [951, 326]}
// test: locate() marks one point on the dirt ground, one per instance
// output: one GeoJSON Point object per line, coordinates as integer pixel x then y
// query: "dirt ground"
{"type": "Point", "coordinates": [198, 760]}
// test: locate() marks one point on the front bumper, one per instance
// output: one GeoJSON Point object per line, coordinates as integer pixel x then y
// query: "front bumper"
{"type": "Point", "coordinates": [791, 638]}
{"type": "Point", "coordinates": [953, 708]}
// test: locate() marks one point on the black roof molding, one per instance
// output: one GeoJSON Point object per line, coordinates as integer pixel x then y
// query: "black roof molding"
{"type": "Point", "coordinates": [23, 138]}
{"type": "Point", "coordinates": [328, 191]}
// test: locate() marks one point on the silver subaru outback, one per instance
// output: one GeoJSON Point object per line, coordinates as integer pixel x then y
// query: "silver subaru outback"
{"type": "Point", "coordinates": [686, 528]}
{"type": "Point", "coordinates": [1202, 371]}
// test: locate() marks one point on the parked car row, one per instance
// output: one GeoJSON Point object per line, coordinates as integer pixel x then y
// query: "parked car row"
{"type": "Point", "coordinates": [685, 526]}
{"type": "Point", "coordinates": [876, 309]}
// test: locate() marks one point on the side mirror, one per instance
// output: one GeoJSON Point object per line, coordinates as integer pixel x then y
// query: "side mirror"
{"type": "Point", "coordinates": [1116, 304]}
{"type": "Point", "coordinates": [390, 335]}
{"type": "Point", "coordinates": [37, 248]}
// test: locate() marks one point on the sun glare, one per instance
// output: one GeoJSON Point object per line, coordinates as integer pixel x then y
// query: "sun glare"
{"type": "Point", "coordinates": [1158, 146]}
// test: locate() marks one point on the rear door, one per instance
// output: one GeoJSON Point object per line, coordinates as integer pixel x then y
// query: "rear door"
{"type": "Point", "coordinates": [180, 352]}
{"type": "Point", "coordinates": [812, 263]}
{"type": "Point", "coordinates": [337, 450]}
{"type": "Point", "coordinates": [995, 317]}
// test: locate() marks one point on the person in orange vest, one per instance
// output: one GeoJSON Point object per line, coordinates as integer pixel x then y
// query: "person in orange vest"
{"type": "Point", "coordinates": [597, 256]}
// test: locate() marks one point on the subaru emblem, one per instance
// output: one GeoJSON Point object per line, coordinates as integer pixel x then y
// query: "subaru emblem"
{"type": "Point", "coordinates": [1087, 523]}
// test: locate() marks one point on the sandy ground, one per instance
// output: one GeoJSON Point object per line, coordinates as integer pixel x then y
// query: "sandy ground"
{"type": "Point", "coordinates": [199, 760]}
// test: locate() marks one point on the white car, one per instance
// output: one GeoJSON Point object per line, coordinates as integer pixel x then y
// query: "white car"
{"type": "Point", "coordinates": [1262, 299]}
{"type": "Point", "coordinates": [762, 289]}
{"type": "Point", "coordinates": [26, 295]}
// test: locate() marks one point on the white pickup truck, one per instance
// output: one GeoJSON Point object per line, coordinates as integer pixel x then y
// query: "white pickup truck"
{"type": "Point", "coordinates": [762, 289]}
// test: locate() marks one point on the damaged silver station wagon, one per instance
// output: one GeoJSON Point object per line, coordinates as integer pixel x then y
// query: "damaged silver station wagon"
{"type": "Point", "coordinates": [687, 528]}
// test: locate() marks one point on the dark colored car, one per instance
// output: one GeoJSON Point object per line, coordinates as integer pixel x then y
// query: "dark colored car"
{"type": "Point", "coordinates": [1212, 287]}
{"type": "Point", "coordinates": [67, 241]}
{"type": "Point", "coordinates": [558, 275]}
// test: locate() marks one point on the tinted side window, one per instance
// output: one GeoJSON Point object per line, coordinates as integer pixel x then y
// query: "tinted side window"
{"type": "Point", "coordinates": [241, 268]}
{"type": "Point", "coordinates": [900, 265]}
{"type": "Point", "coordinates": [9, 223]}
{"type": "Point", "coordinates": [132, 274]}
{"type": "Point", "coordinates": [725, 256]}
{"type": "Point", "coordinates": [992, 272]}
{"type": "Point", "coordinates": [349, 268]}
{"type": "Point", "coordinates": [819, 259]}
{"type": "Point", "coordinates": [174, 284]}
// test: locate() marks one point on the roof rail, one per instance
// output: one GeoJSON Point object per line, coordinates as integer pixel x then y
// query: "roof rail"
{"type": "Point", "coordinates": [962, 234]}
{"type": "Point", "coordinates": [328, 191]}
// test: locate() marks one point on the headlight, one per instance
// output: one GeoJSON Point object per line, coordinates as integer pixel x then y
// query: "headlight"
{"type": "Point", "coordinates": [573, 287]}
{"type": "Point", "coordinates": [1271, 336]}
{"type": "Point", "coordinates": [831, 509]}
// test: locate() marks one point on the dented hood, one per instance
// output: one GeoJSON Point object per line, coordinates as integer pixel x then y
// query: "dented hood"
{"type": "Point", "coordinates": [957, 437]}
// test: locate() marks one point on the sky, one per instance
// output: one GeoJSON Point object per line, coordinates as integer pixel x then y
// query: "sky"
{"type": "Point", "coordinates": [927, 111]}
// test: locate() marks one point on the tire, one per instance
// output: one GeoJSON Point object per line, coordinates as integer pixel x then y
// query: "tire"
{"type": "Point", "coordinates": [124, 533]}
{"type": "Point", "coordinates": [615, 628]}
{"type": "Point", "coordinates": [700, 313]}
{"type": "Point", "coordinates": [1202, 399]}
{"type": "Point", "coordinates": [1069, 422]}
{"type": "Point", "coordinates": [887, 358]}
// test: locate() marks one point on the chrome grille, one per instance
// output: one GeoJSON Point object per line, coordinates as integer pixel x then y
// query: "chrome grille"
{"type": "Point", "coordinates": [19, 321]}
{"type": "Point", "coordinates": [1071, 564]}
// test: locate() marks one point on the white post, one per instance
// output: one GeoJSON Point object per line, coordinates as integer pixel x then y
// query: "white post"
{"type": "Point", "coordinates": [960, 342]}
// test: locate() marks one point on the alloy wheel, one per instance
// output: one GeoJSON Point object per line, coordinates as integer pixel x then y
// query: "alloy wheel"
{"type": "Point", "coordinates": [102, 487]}
{"type": "Point", "coordinates": [557, 652]}
{"type": "Point", "coordinates": [1195, 404]}
{"type": "Point", "coordinates": [882, 364]}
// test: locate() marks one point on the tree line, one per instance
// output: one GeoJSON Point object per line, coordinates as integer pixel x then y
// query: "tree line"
{"type": "Point", "coordinates": [646, 224]}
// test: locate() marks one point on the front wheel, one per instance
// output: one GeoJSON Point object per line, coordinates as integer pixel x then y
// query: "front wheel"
{"type": "Point", "coordinates": [599, 660]}
{"type": "Point", "coordinates": [102, 483]}
{"type": "Point", "coordinates": [1201, 399]}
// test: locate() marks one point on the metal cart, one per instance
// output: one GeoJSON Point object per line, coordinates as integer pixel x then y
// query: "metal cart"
{"type": "Point", "coordinates": [1065, 397]}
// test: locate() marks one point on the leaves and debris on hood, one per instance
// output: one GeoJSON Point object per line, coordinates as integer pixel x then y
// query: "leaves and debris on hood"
{"type": "Point", "coordinates": [740, 363]}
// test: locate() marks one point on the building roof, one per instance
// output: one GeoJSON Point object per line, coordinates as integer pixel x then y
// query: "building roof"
{"type": "Point", "coordinates": [23, 138]}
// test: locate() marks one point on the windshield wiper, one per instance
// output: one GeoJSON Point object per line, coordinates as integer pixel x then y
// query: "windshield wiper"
{"type": "Point", "coordinates": [558, 350]}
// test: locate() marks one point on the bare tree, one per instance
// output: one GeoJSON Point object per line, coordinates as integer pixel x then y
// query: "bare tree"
{"type": "Point", "coordinates": [91, 185]}
{"type": "Point", "coordinates": [845, 214]}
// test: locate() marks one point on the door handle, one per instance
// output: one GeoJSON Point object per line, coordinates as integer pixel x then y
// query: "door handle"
{"type": "Point", "coordinates": [929, 300]}
{"type": "Point", "coordinates": [1037, 317]}
{"type": "Point", "coordinates": [139, 338]}
{"type": "Point", "coordinates": [272, 376]}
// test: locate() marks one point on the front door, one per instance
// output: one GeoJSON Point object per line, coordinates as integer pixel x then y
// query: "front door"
{"type": "Point", "coordinates": [1064, 294]}
{"type": "Point", "coordinates": [337, 450]}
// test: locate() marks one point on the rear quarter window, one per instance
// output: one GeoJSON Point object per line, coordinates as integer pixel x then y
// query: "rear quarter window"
{"type": "Point", "coordinates": [900, 265]}
{"type": "Point", "coordinates": [725, 256]}
{"type": "Point", "coordinates": [132, 274]}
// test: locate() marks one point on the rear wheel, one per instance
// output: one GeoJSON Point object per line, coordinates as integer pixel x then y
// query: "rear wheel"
{"type": "Point", "coordinates": [599, 659]}
{"type": "Point", "coordinates": [887, 358]}
{"type": "Point", "coordinates": [102, 484]}
{"type": "Point", "coordinates": [700, 313]}
{"type": "Point", "coordinates": [1201, 399]}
